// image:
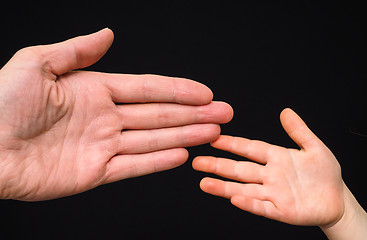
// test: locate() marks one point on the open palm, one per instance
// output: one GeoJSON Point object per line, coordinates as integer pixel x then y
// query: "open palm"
{"type": "Point", "coordinates": [301, 187]}
{"type": "Point", "coordinates": [63, 132]}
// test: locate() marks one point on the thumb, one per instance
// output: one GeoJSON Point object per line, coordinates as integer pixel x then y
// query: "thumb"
{"type": "Point", "coordinates": [75, 53]}
{"type": "Point", "coordinates": [297, 129]}
{"type": "Point", "coordinates": [79, 52]}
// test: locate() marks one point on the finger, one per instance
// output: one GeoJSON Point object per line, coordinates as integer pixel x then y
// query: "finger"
{"type": "Point", "coordinates": [237, 170]}
{"type": "Point", "coordinates": [75, 53]}
{"type": "Point", "coordinates": [252, 149]}
{"type": "Point", "coordinates": [297, 129]}
{"type": "Point", "coordinates": [128, 166]}
{"type": "Point", "coordinates": [126, 88]}
{"type": "Point", "coordinates": [256, 206]}
{"type": "Point", "coordinates": [163, 115]}
{"type": "Point", "coordinates": [143, 141]}
{"type": "Point", "coordinates": [228, 189]}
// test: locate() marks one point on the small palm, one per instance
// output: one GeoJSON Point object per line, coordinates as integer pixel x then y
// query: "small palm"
{"type": "Point", "coordinates": [296, 179]}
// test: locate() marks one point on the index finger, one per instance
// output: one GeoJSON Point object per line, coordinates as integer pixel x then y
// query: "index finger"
{"type": "Point", "coordinates": [130, 88]}
{"type": "Point", "coordinates": [255, 150]}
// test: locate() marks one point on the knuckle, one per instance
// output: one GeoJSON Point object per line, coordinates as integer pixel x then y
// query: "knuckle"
{"type": "Point", "coordinates": [33, 52]}
{"type": "Point", "coordinates": [34, 55]}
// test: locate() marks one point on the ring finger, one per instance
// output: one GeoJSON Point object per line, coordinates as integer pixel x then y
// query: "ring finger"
{"type": "Point", "coordinates": [144, 141]}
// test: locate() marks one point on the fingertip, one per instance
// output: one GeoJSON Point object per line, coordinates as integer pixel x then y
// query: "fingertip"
{"type": "Point", "coordinates": [207, 96]}
{"type": "Point", "coordinates": [220, 141]}
{"type": "Point", "coordinates": [105, 31]}
{"type": "Point", "coordinates": [289, 119]}
{"type": "Point", "coordinates": [203, 96]}
{"type": "Point", "coordinates": [207, 185]}
{"type": "Point", "coordinates": [212, 131]}
{"type": "Point", "coordinates": [109, 30]}
{"type": "Point", "coordinates": [227, 112]}
{"type": "Point", "coordinates": [201, 163]}
{"type": "Point", "coordinates": [196, 93]}
{"type": "Point", "coordinates": [77, 52]}
{"type": "Point", "coordinates": [106, 37]}
{"type": "Point", "coordinates": [175, 158]}
{"type": "Point", "coordinates": [179, 157]}
{"type": "Point", "coordinates": [230, 113]}
{"type": "Point", "coordinates": [297, 129]}
{"type": "Point", "coordinates": [196, 163]}
{"type": "Point", "coordinates": [285, 113]}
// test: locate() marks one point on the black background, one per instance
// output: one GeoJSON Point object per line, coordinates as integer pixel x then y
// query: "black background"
{"type": "Point", "coordinates": [259, 56]}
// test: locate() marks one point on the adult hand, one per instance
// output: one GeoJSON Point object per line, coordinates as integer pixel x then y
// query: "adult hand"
{"type": "Point", "coordinates": [63, 132]}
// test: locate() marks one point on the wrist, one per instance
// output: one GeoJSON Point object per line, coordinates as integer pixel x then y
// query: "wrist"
{"type": "Point", "coordinates": [353, 223]}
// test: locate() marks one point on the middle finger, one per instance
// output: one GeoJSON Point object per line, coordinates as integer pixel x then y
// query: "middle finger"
{"type": "Point", "coordinates": [163, 115]}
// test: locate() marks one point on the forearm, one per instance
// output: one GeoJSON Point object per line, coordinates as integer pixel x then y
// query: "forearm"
{"type": "Point", "coordinates": [353, 224]}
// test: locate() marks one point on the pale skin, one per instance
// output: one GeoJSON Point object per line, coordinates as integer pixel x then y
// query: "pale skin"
{"type": "Point", "coordinates": [296, 186]}
{"type": "Point", "coordinates": [64, 131]}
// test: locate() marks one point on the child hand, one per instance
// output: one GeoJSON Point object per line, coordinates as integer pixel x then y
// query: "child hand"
{"type": "Point", "coordinates": [300, 187]}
